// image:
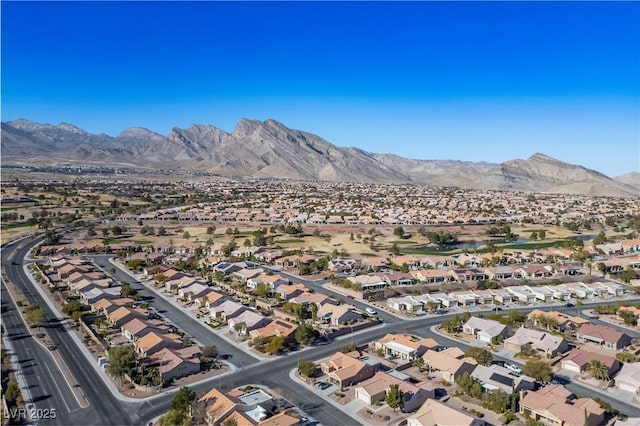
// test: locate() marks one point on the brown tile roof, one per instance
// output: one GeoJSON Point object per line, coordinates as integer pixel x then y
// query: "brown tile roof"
{"type": "Point", "coordinates": [554, 401]}
{"type": "Point", "coordinates": [608, 334]}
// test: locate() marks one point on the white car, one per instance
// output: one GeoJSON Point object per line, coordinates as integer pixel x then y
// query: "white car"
{"type": "Point", "coordinates": [513, 368]}
{"type": "Point", "coordinates": [370, 311]}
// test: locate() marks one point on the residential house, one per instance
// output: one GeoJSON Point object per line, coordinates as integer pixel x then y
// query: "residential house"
{"type": "Point", "coordinates": [137, 328]}
{"type": "Point", "coordinates": [105, 306]}
{"type": "Point", "coordinates": [370, 282]}
{"type": "Point", "coordinates": [521, 293]}
{"type": "Point", "coordinates": [405, 303]}
{"type": "Point", "coordinates": [501, 295]}
{"type": "Point", "coordinates": [272, 281]}
{"type": "Point", "coordinates": [498, 272]}
{"type": "Point", "coordinates": [277, 327]}
{"type": "Point", "coordinates": [628, 378]}
{"type": "Point", "coordinates": [194, 291]}
{"type": "Point", "coordinates": [219, 407]}
{"type": "Point", "coordinates": [431, 276]}
{"type": "Point", "coordinates": [445, 300]}
{"type": "Point", "coordinates": [434, 412]}
{"type": "Point", "coordinates": [404, 347]}
{"type": "Point", "coordinates": [533, 272]}
{"type": "Point", "coordinates": [246, 274]}
{"type": "Point", "coordinates": [227, 309]}
{"type": "Point", "coordinates": [555, 405]}
{"type": "Point", "coordinates": [375, 389]}
{"type": "Point", "coordinates": [123, 315]}
{"type": "Point", "coordinates": [172, 365]}
{"type": "Point", "coordinates": [528, 339]}
{"type": "Point", "coordinates": [246, 321]}
{"type": "Point", "coordinates": [496, 377]}
{"type": "Point", "coordinates": [338, 314]}
{"type": "Point", "coordinates": [344, 370]}
{"type": "Point", "coordinates": [556, 320]}
{"type": "Point", "coordinates": [95, 294]}
{"type": "Point", "coordinates": [578, 360]}
{"type": "Point", "coordinates": [603, 335]}
{"type": "Point", "coordinates": [398, 278]}
{"type": "Point", "coordinates": [451, 363]}
{"type": "Point", "coordinates": [288, 292]}
{"type": "Point", "coordinates": [280, 419]}
{"type": "Point", "coordinates": [153, 342]}
{"type": "Point", "coordinates": [483, 329]}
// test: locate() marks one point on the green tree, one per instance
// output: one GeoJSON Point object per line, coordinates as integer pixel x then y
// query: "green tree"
{"type": "Point", "coordinates": [12, 392]}
{"type": "Point", "coordinates": [307, 368]}
{"type": "Point", "coordinates": [498, 401]}
{"type": "Point", "coordinates": [538, 369]}
{"type": "Point", "coordinates": [419, 363]}
{"type": "Point", "coordinates": [305, 333]}
{"type": "Point", "coordinates": [601, 238]}
{"type": "Point", "coordinates": [211, 230]}
{"type": "Point", "coordinates": [230, 422]}
{"type": "Point", "coordinates": [183, 399]}
{"type": "Point", "coordinates": [121, 360]}
{"type": "Point", "coordinates": [598, 370]}
{"type": "Point", "coordinates": [394, 397]}
{"type": "Point", "coordinates": [186, 235]}
{"type": "Point", "coordinates": [542, 234]}
{"type": "Point", "coordinates": [275, 345]}
{"type": "Point", "coordinates": [72, 307]}
{"type": "Point", "coordinates": [628, 274]}
{"type": "Point", "coordinates": [481, 355]}
{"type": "Point", "coordinates": [626, 357]}
{"type": "Point", "coordinates": [180, 412]}
{"type": "Point", "coordinates": [398, 232]}
{"type": "Point", "coordinates": [34, 315]}
{"type": "Point", "coordinates": [348, 348]}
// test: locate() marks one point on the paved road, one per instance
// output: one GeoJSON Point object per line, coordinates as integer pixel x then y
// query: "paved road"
{"type": "Point", "coordinates": [574, 386]}
{"type": "Point", "coordinates": [182, 320]}
{"type": "Point", "coordinates": [272, 373]}
{"type": "Point", "coordinates": [46, 385]}
{"type": "Point", "coordinates": [104, 408]}
{"type": "Point", "coordinates": [319, 288]}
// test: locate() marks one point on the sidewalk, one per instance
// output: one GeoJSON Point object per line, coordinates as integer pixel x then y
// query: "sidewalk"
{"type": "Point", "coordinates": [610, 393]}
{"type": "Point", "coordinates": [354, 406]}
{"type": "Point", "coordinates": [243, 346]}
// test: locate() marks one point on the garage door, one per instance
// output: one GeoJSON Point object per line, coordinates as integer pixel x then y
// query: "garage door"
{"type": "Point", "coordinates": [571, 366]}
{"type": "Point", "coordinates": [627, 387]}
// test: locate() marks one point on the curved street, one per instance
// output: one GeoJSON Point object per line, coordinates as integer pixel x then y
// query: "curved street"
{"type": "Point", "coordinates": [108, 409]}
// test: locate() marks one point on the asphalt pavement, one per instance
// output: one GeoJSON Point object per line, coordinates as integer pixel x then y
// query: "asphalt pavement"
{"type": "Point", "coordinates": [106, 409]}
{"type": "Point", "coordinates": [179, 318]}
{"type": "Point", "coordinates": [47, 388]}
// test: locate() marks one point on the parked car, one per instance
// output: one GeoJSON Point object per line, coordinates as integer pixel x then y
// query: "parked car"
{"type": "Point", "coordinates": [513, 367]}
{"type": "Point", "coordinates": [323, 385]}
{"type": "Point", "coordinates": [569, 305]}
{"type": "Point", "coordinates": [370, 311]}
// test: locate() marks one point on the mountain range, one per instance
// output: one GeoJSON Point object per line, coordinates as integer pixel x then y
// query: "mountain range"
{"type": "Point", "coordinates": [271, 150]}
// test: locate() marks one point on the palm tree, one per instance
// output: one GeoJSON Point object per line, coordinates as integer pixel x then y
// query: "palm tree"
{"type": "Point", "coordinates": [598, 370]}
{"type": "Point", "coordinates": [579, 305]}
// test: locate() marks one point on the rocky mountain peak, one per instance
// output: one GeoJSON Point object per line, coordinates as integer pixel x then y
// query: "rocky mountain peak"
{"type": "Point", "coordinates": [269, 149]}
{"type": "Point", "coordinates": [139, 133]}
{"type": "Point", "coordinates": [70, 128]}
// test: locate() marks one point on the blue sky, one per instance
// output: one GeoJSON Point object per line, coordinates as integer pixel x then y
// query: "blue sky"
{"type": "Point", "coordinates": [477, 81]}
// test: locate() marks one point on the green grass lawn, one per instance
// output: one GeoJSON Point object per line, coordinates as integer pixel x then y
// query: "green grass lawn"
{"type": "Point", "coordinates": [291, 241]}
{"type": "Point", "coordinates": [403, 242]}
